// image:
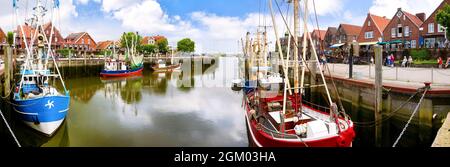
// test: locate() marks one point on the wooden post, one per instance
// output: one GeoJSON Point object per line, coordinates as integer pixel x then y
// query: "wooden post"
{"type": "Point", "coordinates": [378, 92]}
{"type": "Point", "coordinates": [6, 70]}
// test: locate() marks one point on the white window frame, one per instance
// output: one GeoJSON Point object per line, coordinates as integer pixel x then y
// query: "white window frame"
{"type": "Point", "coordinates": [430, 27]}
{"type": "Point", "coordinates": [398, 31]}
{"type": "Point", "coordinates": [393, 32]}
{"type": "Point", "coordinates": [406, 31]}
{"type": "Point", "coordinates": [368, 35]}
{"type": "Point", "coordinates": [368, 23]}
{"type": "Point", "coordinates": [413, 44]}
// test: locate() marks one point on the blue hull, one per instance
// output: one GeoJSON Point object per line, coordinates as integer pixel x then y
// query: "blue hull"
{"type": "Point", "coordinates": [43, 109]}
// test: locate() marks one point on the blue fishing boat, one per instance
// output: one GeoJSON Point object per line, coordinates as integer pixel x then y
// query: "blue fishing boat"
{"type": "Point", "coordinates": [36, 99]}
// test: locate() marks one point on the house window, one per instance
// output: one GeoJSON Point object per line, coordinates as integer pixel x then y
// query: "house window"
{"type": "Point", "coordinates": [431, 28]}
{"type": "Point", "coordinates": [368, 23]}
{"type": "Point", "coordinates": [400, 31]}
{"type": "Point", "coordinates": [82, 41]}
{"type": "Point", "coordinates": [407, 31]}
{"type": "Point", "coordinates": [369, 35]}
{"type": "Point", "coordinates": [89, 42]}
{"type": "Point", "coordinates": [413, 44]}
{"type": "Point", "coordinates": [440, 28]}
{"type": "Point", "coordinates": [393, 32]}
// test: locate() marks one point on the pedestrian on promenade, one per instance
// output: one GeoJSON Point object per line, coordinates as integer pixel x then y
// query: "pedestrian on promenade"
{"type": "Point", "coordinates": [391, 60]}
{"type": "Point", "coordinates": [371, 59]}
{"type": "Point", "coordinates": [410, 61]}
{"type": "Point", "coordinates": [439, 60]}
{"type": "Point", "coordinates": [447, 63]}
{"type": "Point", "coordinates": [405, 60]}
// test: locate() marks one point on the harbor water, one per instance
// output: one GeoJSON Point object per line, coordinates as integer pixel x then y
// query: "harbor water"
{"type": "Point", "coordinates": [191, 107]}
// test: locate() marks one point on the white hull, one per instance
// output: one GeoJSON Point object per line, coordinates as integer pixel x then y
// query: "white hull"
{"type": "Point", "coordinates": [47, 128]}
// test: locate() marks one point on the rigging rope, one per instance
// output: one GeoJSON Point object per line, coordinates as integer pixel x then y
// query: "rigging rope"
{"type": "Point", "coordinates": [10, 130]}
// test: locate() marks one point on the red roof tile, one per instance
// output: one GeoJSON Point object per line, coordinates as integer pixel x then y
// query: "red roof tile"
{"type": "Point", "coordinates": [351, 29]}
{"type": "Point", "coordinates": [320, 33]}
{"type": "Point", "coordinates": [380, 22]}
{"type": "Point", "coordinates": [413, 18]}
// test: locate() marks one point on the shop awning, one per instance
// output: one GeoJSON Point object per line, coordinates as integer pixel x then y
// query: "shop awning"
{"type": "Point", "coordinates": [383, 43]}
{"type": "Point", "coordinates": [367, 43]}
{"type": "Point", "coordinates": [396, 41]}
{"type": "Point", "coordinates": [337, 45]}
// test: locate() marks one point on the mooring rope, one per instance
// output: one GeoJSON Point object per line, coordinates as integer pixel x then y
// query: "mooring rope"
{"type": "Point", "coordinates": [10, 130]}
{"type": "Point", "coordinates": [410, 118]}
{"type": "Point", "coordinates": [390, 115]}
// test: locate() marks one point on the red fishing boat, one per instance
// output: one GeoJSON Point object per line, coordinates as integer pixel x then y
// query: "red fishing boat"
{"type": "Point", "coordinates": [276, 113]}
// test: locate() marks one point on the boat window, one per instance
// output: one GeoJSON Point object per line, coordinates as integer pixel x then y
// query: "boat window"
{"type": "Point", "coordinates": [25, 79]}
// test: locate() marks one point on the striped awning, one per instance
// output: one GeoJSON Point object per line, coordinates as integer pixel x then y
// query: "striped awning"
{"type": "Point", "coordinates": [337, 45]}
{"type": "Point", "coordinates": [367, 43]}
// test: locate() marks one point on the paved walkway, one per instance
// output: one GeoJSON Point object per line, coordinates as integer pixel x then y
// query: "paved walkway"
{"type": "Point", "coordinates": [443, 136]}
{"type": "Point", "coordinates": [400, 76]}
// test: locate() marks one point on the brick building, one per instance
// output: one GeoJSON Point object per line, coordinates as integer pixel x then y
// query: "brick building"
{"type": "Point", "coordinates": [330, 37]}
{"type": "Point", "coordinates": [403, 30]}
{"type": "Point", "coordinates": [57, 39]}
{"type": "Point", "coordinates": [433, 34]}
{"type": "Point", "coordinates": [372, 30]}
{"type": "Point", "coordinates": [80, 42]}
{"type": "Point", "coordinates": [151, 40]}
{"type": "Point", "coordinates": [346, 34]}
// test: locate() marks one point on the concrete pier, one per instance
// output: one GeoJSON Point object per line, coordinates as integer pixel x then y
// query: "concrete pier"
{"type": "Point", "coordinates": [443, 137]}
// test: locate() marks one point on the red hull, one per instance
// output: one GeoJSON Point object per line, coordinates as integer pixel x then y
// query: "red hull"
{"type": "Point", "coordinates": [138, 72]}
{"type": "Point", "coordinates": [260, 138]}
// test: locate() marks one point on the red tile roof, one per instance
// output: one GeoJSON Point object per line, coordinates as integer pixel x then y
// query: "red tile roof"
{"type": "Point", "coordinates": [320, 33]}
{"type": "Point", "coordinates": [75, 36]}
{"type": "Point", "coordinates": [380, 22]}
{"type": "Point", "coordinates": [413, 18]}
{"type": "Point", "coordinates": [351, 29]}
{"type": "Point", "coordinates": [102, 45]}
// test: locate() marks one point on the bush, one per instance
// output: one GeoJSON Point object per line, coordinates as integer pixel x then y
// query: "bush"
{"type": "Point", "coordinates": [420, 54]}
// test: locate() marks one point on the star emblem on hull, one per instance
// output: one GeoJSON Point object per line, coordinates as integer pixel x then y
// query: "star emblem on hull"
{"type": "Point", "coordinates": [50, 104]}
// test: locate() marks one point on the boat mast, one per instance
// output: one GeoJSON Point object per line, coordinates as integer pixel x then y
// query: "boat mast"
{"type": "Point", "coordinates": [314, 53]}
{"type": "Point", "coordinates": [296, 72]}
{"type": "Point", "coordinates": [304, 47]}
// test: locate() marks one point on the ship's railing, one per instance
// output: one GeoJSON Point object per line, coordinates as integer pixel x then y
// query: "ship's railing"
{"type": "Point", "coordinates": [277, 134]}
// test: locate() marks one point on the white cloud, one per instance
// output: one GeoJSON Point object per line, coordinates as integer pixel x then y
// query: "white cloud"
{"type": "Point", "coordinates": [389, 7]}
{"type": "Point", "coordinates": [84, 2]}
{"type": "Point", "coordinates": [326, 7]}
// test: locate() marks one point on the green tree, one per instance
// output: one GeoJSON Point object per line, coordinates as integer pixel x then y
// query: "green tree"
{"type": "Point", "coordinates": [148, 49]}
{"type": "Point", "coordinates": [10, 38]}
{"type": "Point", "coordinates": [162, 45]}
{"type": "Point", "coordinates": [186, 45]}
{"type": "Point", "coordinates": [443, 17]}
{"type": "Point", "coordinates": [129, 38]}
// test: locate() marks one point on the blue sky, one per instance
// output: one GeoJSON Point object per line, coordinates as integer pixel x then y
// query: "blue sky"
{"type": "Point", "coordinates": [215, 25]}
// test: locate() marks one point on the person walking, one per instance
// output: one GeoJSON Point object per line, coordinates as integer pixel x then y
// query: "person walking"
{"type": "Point", "coordinates": [439, 60]}
{"type": "Point", "coordinates": [447, 63]}
{"type": "Point", "coordinates": [392, 60]}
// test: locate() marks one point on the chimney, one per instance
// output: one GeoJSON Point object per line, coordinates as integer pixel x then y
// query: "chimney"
{"type": "Point", "coordinates": [421, 16]}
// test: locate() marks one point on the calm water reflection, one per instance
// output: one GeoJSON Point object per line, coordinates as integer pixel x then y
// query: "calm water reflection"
{"type": "Point", "coordinates": [155, 109]}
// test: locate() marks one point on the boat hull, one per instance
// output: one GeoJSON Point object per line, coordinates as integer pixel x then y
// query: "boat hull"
{"type": "Point", "coordinates": [122, 73]}
{"type": "Point", "coordinates": [166, 69]}
{"type": "Point", "coordinates": [260, 138]}
{"type": "Point", "coordinates": [44, 114]}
